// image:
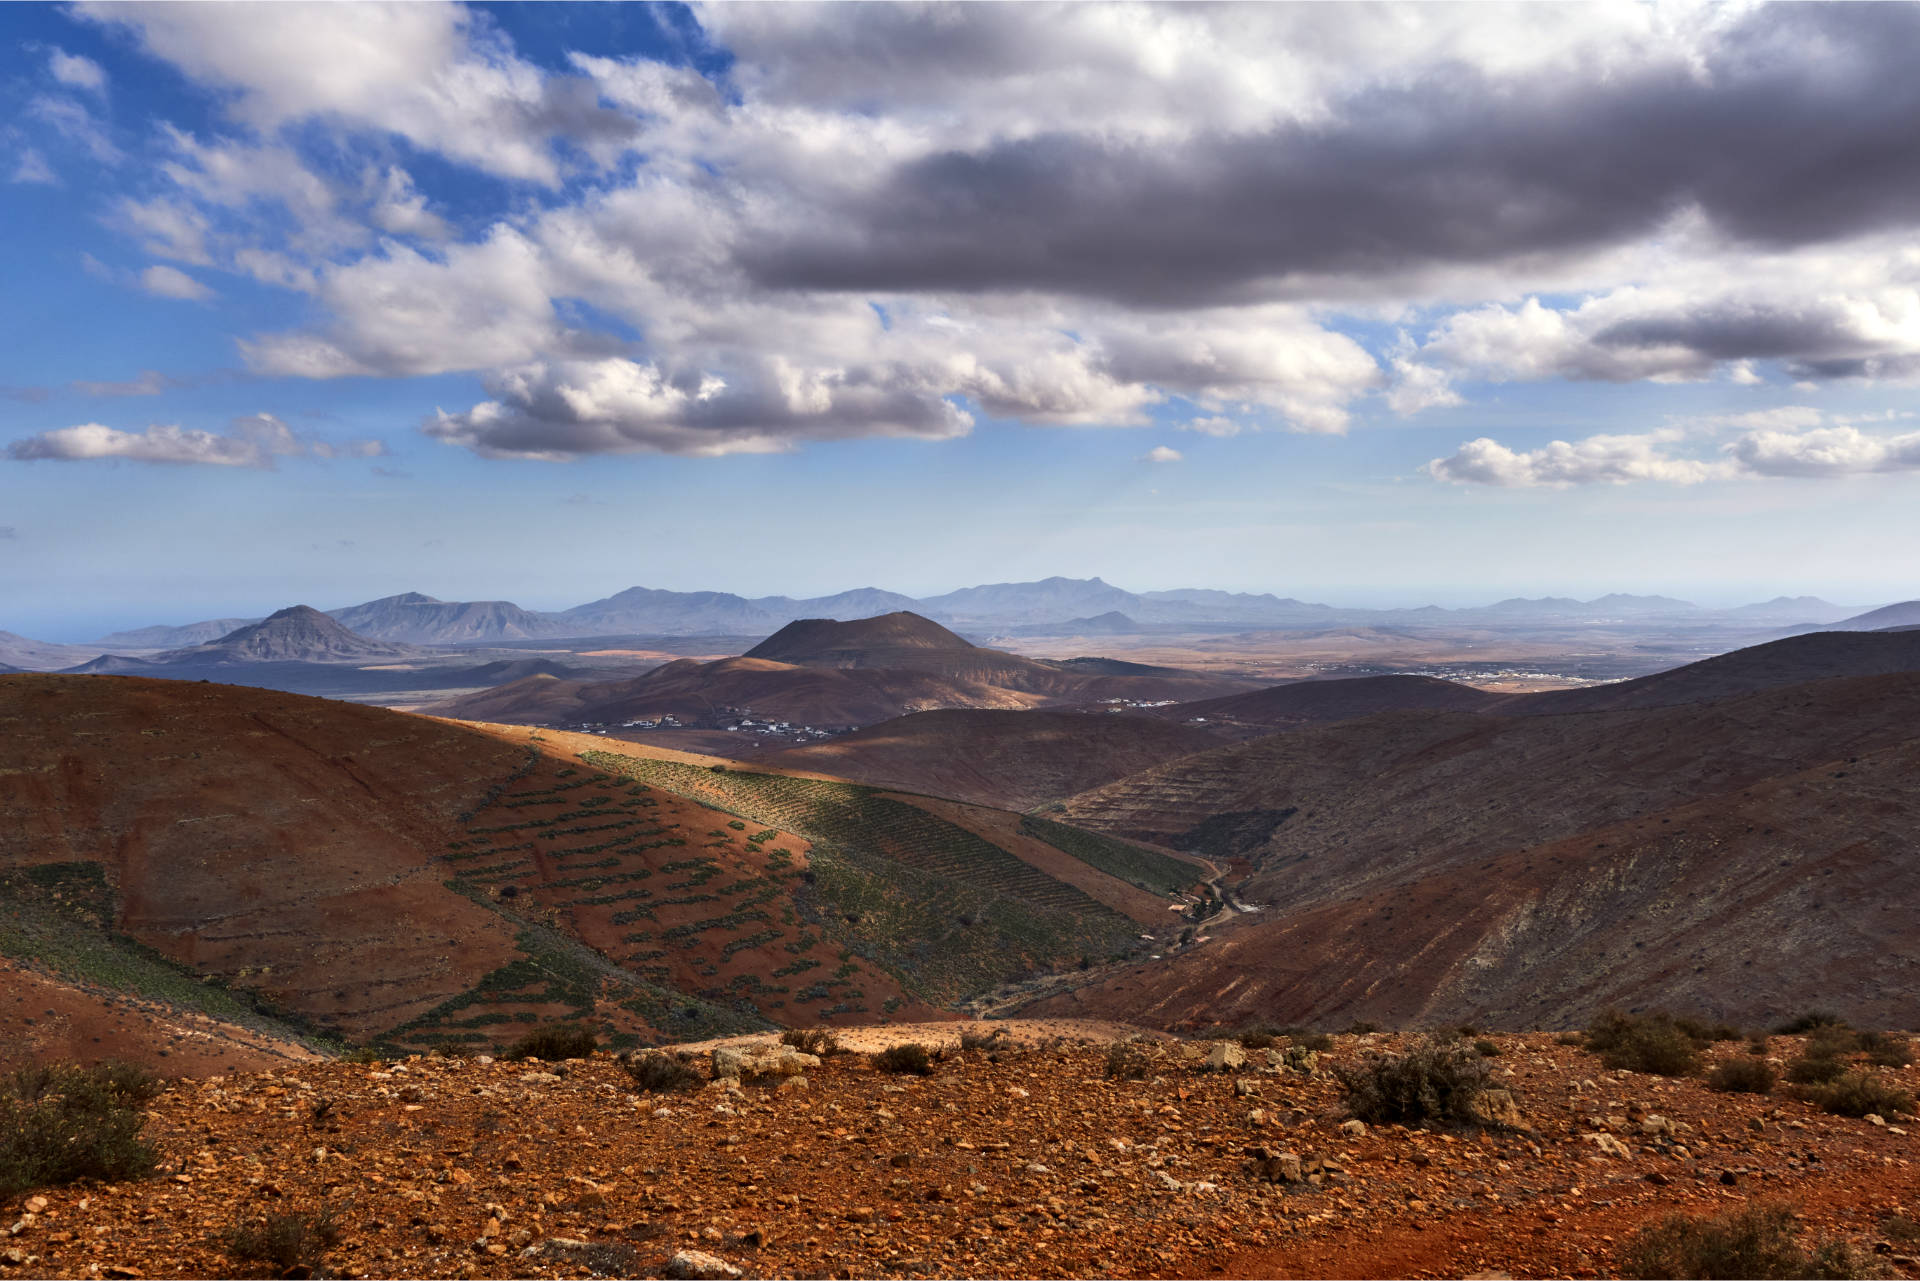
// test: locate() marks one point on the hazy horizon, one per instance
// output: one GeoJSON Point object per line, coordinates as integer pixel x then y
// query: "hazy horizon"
{"type": "Point", "coordinates": [1371, 306]}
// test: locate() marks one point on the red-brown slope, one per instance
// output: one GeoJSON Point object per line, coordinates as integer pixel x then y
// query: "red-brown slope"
{"type": "Point", "coordinates": [1010, 760]}
{"type": "Point", "coordinates": [352, 864]}
{"type": "Point", "coordinates": [1322, 702]}
{"type": "Point", "coordinates": [1734, 857]}
{"type": "Point", "coordinates": [706, 694]}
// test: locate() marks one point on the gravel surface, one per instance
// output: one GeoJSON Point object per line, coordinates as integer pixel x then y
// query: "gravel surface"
{"type": "Point", "coordinates": [1024, 1161]}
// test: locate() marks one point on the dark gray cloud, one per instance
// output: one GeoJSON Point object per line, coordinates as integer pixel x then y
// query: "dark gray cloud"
{"type": "Point", "coordinates": [1799, 130]}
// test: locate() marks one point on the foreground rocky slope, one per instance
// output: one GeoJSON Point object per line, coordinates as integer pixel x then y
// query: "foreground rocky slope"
{"type": "Point", "coordinates": [1021, 1160]}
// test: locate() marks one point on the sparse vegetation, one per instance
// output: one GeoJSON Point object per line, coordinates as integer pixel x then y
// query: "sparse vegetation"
{"type": "Point", "coordinates": [555, 1042]}
{"type": "Point", "coordinates": [1757, 1242]}
{"type": "Point", "coordinates": [1815, 1069]}
{"type": "Point", "coordinates": [1742, 1076]}
{"type": "Point", "coordinates": [1486, 1049]}
{"type": "Point", "coordinates": [812, 1040]}
{"type": "Point", "coordinates": [973, 1038]}
{"type": "Point", "coordinates": [1654, 1042]}
{"type": "Point", "coordinates": [1434, 1083]}
{"type": "Point", "coordinates": [292, 1243]}
{"type": "Point", "coordinates": [61, 1124]}
{"type": "Point", "coordinates": [1809, 1021]}
{"type": "Point", "coordinates": [910, 1058]}
{"type": "Point", "coordinates": [657, 1072]}
{"type": "Point", "coordinates": [1318, 1042]}
{"type": "Point", "coordinates": [1886, 1049]}
{"type": "Point", "coordinates": [1860, 1094]}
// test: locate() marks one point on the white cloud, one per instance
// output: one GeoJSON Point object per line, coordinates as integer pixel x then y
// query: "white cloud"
{"type": "Point", "coordinates": [1415, 387]}
{"type": "Point", "coordinates": [401, 210]}
{"type": "Point", "coordinates": [552, 412]}
{"type": "Point", "coordinates": [70, 118]}
{"type": "Point", "coordinates": [436, 74]}
{"type": "Point", "coordinates": [1825, 451]}
{"type": "Point", "coordinates": [33, 168]}
{"type": "Point", "coordinates": [1162, 454]}
{"type": "Point", "coordinates": [171, 282]}
{"type": "Point", "coordinates": [77, 72]}
{"type": "Point", "coordinates": [255, 440]}
{"type": "Point", "coordinates": [1596, 460]}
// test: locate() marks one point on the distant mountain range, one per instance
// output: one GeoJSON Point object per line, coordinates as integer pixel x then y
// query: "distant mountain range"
{"type": "Point", "coordinates": [1051, 606]}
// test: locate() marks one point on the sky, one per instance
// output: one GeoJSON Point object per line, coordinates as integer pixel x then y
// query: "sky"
{"type": "Point", "coordinates": [1366, 304]}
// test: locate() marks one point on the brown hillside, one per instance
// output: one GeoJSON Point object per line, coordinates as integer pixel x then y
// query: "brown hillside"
{"type": "Point", "coordinates": [1322, 702]}
{"type": "Point", "coordinates": [829, 642]}
{"type": "Point", "coordinates": [394, 876]}
{"type": "Point", "coordinates": [1012, 760]}
{"type": "Point", "coordinates": [1734, 857]}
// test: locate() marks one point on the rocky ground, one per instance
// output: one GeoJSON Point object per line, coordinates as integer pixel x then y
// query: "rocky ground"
{"type": "Point", "coordinates": [1024, 1161]}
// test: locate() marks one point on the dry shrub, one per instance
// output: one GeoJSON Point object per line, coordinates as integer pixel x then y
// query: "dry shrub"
{"type": "Point", "coordinates": [910, 1058]}
{"type": "Point", "coordinates": [61, 1123]}
{"type": "Point", "coordinates": [972, 1038]}
{"type": "Point", "coordinates": [657, 1072]}
{"type": "Point", "coordinates": [1433, 1083]}
{"type": "Point", "coordinates": [1815, 1069]}
{"type": "Point", "coordinates": [1653, 1042]}
{"type": "Point", "coordinates": [812, 1040]}
{"type": "Point", "coordinates": [292, 1243]}
{"type": "Point", "coordinates": [1742, 1076]}
{"type": "Point", "coordinates": [1757, 1242]}
{"type": "Point", "coordinates": [1318, 1042]}
{"type": "Point", "coordinates": [1860, 1094]}
{"type": "Point", "coordinates": [1886, 1049]}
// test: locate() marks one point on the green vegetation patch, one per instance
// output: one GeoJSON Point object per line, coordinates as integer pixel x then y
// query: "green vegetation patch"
{"type": "Point", "coordinates": [1157, 873]}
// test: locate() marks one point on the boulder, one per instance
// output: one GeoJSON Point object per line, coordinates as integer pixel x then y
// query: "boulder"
{"type": "Point", "coordinates": [693, 1265]}
{"type": "Point", "coordinates": [1497, 1108]}
{"type": "Point", "coordinates": [1226, 1056]}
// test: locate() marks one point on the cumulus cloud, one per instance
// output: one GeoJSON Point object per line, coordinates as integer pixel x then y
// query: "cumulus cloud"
{"type": "Point", "coordinates": [170, 282]}
{"type": "Point", "coordinates": [877, 221]}
{"type": "Point", "coordinates": [438, 75]}
{"type": "Point", "coordinates": [1162, 454]}
{"type": "Point", "coordinates": [1826, 451]}
{"type": "Point", "coordinates": [1596, 460]}
{"type": "Point", "coordinates": [256, 440]}
{"type": "Point", "coordinates": [1784, 442]}
{"type": "Point", "coordinates": [556, 411]}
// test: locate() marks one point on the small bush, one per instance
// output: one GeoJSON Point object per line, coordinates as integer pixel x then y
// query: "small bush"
{"type": "Point", "coordinates": [1652, 1042]}
{"type": "Point", "coordinates": [1815, 1069]}
{"type": "Point", "coordinates": [1256, 1036]}
{"type": "Point", "coordinates": [972, 1038]}
{"type": "Point", "coordinates": [1575, 1039]}
{"type": "Point", "coordinates": [1758, 1242]}
{"type": "Point", "coordinates": [1859, 1093]}
{"type": "Point", "coordinates": [1831, 1042]}
{"type": "Point", "coordinates": [1742, 1076]}
{"type": "Point", "coordinates": [290, 1244]}
{"type": "Point", "coordinates": [1758, 1046]}
{"type": "Point", "coordinates": [656, 1072]}
{"type": "Point", "coordinates": [1885, 1049]}
{"type": "Point", "coordinates": [811, 1040]}
{"type": "Point", "coordinates": [451, 1050]}
{"type": "Point", "coordinates": [912, 1058]}
{"type": "Point", "coordinates": [62, 1124]}
{"type": "Point", "coordinates": [1486, 1049]}
{"type": "Point", "coordinates": [1807, 1022]}
{"type": "Point", "coordinates": [1318, 1042]}
{"type": "Point", "coordinates": [1129, 1061]}
{"type": "Point", "coordinates": [1433, 1082]}
{"type": "Point", "coordinates": [1705, 1032]}
{"type": "Point", "coordinates": [554, 1042]}
{"type": "Point", "coordinates": [1900, 1229]}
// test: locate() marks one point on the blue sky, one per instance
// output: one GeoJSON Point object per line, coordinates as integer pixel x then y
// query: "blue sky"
{"type": "Point", "coordinates": [539, 302]}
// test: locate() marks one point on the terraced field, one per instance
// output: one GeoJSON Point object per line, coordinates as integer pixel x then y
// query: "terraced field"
{"type": "Point", "coordinates": [947, 911]}
{"type": "Point", "coordinates": [653, 915]}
